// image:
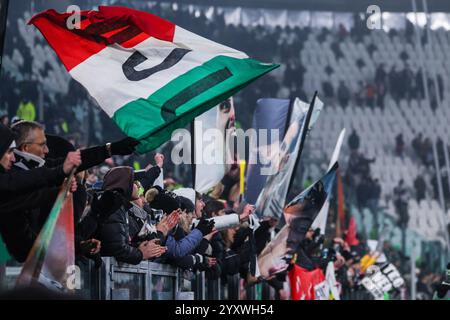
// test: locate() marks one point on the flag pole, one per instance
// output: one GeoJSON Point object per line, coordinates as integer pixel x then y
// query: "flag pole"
{"type": "Point", "coordinates": [303, 138]}
{"type": "Point", "coordinates": [288, 116]}
{"type": "Point", "coordinates": [3, 14]}
{"type": "Point", "coordinates": [193, 167]}
{"type": "Point", "coordinates": [31, 270]}
{"type": "Point", "coordinates": [242, 165]}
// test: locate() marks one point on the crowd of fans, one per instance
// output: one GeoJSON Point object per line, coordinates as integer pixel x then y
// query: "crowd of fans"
{"type": "Point", "coordinates": [139, 216]}
{"type": "Point", "coordinates": [132, 216]}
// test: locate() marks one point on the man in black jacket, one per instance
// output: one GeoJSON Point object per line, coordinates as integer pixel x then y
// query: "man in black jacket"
{"type": "Point", "coordinates": [30, 154]}
{"type": "Point", "coordinates": [24, 190]}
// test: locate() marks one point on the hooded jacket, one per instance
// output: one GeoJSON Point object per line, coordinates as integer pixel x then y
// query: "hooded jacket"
{"type": "Point", "coordinates": [115, 232]}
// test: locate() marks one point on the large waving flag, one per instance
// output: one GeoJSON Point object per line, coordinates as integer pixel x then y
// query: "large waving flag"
{"type": "Point", "coordinates": [148, 74]}
{"type": "Point", "coordinates": [299, 215]}
{"type": "Point", "coordinates": [4, 254]}
{"type": "Point", "coordinates": [213, 158]}
{"type": "Point", "coordinates": [270, 114]}
{"type": "Point", "coordinates": [304, 283]}
{"type": "Point", "coordinates": [272, 198]}
{"type": "Point", "coordinates": [51, 260]}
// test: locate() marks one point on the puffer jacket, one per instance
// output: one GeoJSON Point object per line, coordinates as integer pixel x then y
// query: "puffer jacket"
{"type": "Point", "coordinates": [115, 232]}
{"type": "Point", "coordinates": [184, 246]}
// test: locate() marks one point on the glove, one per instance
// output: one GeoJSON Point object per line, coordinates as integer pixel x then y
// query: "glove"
{"type": "Point", "coordinates": [205, 226]}
{"type": "Point", "coordinates": [201, 262]}
{"type": "Point", "coordinates": [442, 290]}
{"type": "Point", "coordinates": [124, 147]}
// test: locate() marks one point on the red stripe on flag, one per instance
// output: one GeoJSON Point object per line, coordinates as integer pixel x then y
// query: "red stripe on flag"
{"type": "Point", "coordinates": [136, 40]}
{"type": "Point", "coordinates": [65, 226]}
{"type": "Point", "coordinates": [75, 46]}
{"type": "Point", "coordinates": [150, 24]}
{"type": "Point", "coordinates": [70, 47]}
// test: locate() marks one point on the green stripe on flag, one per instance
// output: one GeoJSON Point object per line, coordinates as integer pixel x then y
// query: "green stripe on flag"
{"type": "Point", "coordinates": [153, 120]}
{"type": "Point", "coordinates": [35, 260]}
{"type": "Point", "coordinates": [4, 254]}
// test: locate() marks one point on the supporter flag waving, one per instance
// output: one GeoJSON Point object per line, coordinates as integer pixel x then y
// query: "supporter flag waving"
{"type": "Point", "coordinates": [51, 260]}
{"type": "Point", "coordinates": [148, 74]}
{"type": "Point", "coordinates": [299, 215]}
{"type": "Point", "coordinates": [271, 200]}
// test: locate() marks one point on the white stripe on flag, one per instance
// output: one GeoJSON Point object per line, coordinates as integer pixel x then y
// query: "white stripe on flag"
{"type": "Point", "coordinates": [186, 39]}
{"type": "Point", "coordinates": [102, 73]}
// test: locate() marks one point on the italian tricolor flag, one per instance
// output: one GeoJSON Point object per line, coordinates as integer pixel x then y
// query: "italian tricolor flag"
{"type": "Point", "coordinates": [148, 74]}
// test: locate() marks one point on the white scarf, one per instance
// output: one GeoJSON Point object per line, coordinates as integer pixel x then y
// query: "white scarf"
{"type": "Point", "coordinates": [28, 157]}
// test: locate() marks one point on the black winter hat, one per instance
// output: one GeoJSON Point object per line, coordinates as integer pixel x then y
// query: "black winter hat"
{"type": "Point", "coordinates": [159, 198]}
{"type": "Point", "coordinates": [6, 138]}
{"type": "Point", "coordinates": [186, 204]}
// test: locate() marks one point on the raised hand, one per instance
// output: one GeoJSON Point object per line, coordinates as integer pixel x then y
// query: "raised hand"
{"type": "Point", "coordinates": [210, 235]}
{"type": "Point", "coordinates": [159, 160]}
{"type": "Point", "coordinates": [73, 185]}
{"type": "Point", "coordinates": [72, 161]}
{"type": "Point", "coordinates": [168, 222]}
{"type": "Point", "coordinates": [248, 210]}
{"type": "Point", "coordinates": [150, 249]}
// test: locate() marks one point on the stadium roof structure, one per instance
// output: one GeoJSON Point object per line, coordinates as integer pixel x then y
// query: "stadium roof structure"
{"type": "Point", "coordinates": [331, 5]}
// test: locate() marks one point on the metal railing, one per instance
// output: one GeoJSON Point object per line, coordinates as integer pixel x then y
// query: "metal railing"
{"type": "Point", "coordinates": [149, 281]}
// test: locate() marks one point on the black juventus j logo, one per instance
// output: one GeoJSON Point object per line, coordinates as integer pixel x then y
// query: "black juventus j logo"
{"type": "Point", "coordinates": [168, 109]}
{"type": "Point", "coordinates": [137, 58]}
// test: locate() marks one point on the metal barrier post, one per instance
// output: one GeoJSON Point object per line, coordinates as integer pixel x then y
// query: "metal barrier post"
{"type": "Point", "coordinates": [184, 292]}
{"type": "Point", "coordinates": [199, 286]}
{"type": "Point", "coordinates": [266, 291]}
{"type": "Point", "coordinates": [233, 287]}
{"type": "Point", "coordinates": [251, 292]}
{"type": "Point", "coordinates": [213, 289]}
